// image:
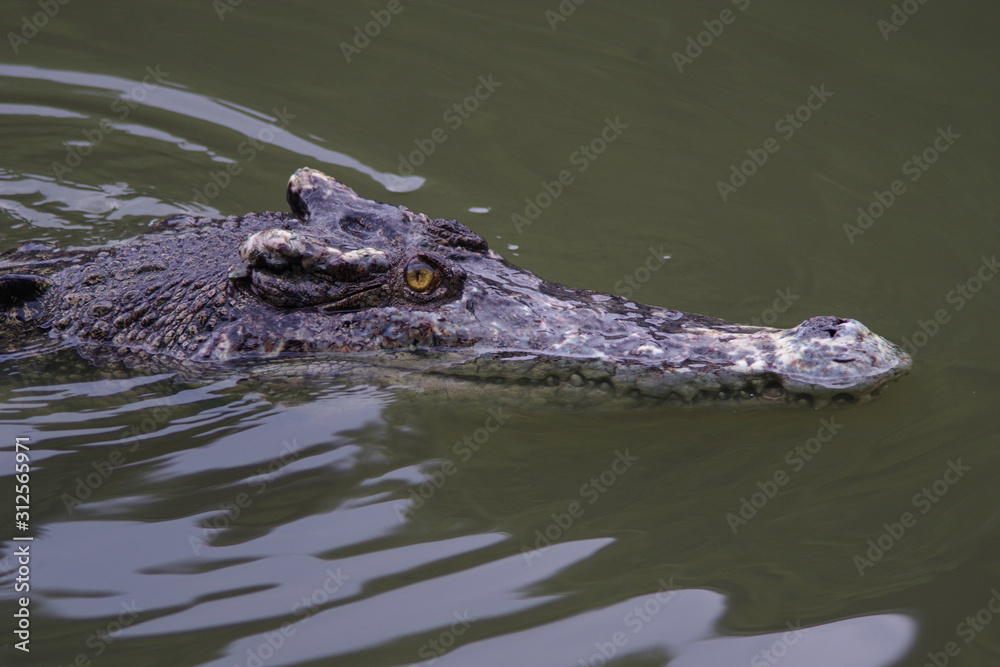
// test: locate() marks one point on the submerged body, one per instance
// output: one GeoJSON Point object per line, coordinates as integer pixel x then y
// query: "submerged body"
{"type": "Point", "coordinates": [344, 275]}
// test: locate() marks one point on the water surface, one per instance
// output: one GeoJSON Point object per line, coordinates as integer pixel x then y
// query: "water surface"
{"type": "Point", "coordinates": [226, 522]}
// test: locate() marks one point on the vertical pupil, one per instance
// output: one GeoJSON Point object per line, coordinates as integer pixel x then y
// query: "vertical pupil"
{"type": "Point", "coordinates": [420, 276]}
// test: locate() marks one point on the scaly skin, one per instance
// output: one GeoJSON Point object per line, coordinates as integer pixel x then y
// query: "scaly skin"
{"type": "Point", "coordinates": [346, 277]}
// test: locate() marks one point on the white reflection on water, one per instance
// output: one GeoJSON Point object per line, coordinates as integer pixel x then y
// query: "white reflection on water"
{"type": "Point", "coordinates": [244, 121]}
{"type": "Point", "coordinates": [683, 629]}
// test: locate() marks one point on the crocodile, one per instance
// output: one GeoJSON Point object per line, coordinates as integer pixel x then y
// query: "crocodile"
{"type": "Point", "coordinates": [349, 279]}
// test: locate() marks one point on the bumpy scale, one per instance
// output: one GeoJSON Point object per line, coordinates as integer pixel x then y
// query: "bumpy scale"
{"type": "Point", "coordinates": [346, 275]}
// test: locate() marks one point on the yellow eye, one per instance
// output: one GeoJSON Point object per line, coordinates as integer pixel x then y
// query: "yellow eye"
{"type": "Point", "coordinates": [421, 276]}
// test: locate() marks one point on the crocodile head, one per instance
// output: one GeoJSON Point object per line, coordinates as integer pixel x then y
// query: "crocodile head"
{"type": "Point", "coordinates": [355, 276]}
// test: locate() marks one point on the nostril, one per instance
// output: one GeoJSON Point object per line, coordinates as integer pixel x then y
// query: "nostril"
{"type": "Point", "coordinates": [832, 332]}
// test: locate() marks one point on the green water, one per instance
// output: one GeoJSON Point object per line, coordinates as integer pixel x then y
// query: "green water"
{"type": "Point", "coordinates": [266, 524]}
